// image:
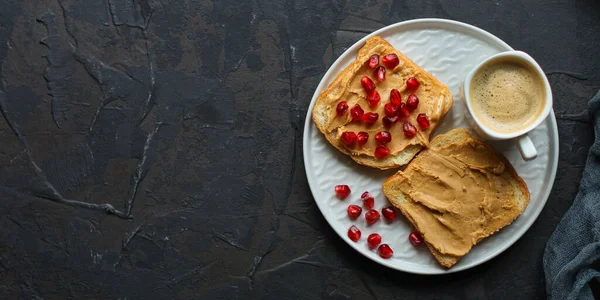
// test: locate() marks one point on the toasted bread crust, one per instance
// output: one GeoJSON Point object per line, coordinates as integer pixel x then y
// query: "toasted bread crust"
{"type": "Point", "coordinates": [457, 136]}
{"type": "Point", "coordinates": [335, 91]}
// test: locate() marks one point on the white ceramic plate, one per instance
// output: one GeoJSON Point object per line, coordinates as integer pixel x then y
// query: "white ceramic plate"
{"type": "Point", "coordinates": [448, 50]}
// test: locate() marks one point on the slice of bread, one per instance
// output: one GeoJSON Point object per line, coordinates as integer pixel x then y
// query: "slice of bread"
{"type": "Point", "coordinates": [440, 216]}
{"type": "Point", "coordinates": [435, 101]}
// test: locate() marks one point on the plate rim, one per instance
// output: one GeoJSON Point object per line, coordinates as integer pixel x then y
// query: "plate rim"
{"type": "Point", "coordinates": [553, 149]}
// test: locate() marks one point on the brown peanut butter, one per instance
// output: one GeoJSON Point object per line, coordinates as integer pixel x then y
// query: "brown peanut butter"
{"type": "Point", "coordinates": [431, 102]}
{"type": "Point", "coordinates": [459, 195]}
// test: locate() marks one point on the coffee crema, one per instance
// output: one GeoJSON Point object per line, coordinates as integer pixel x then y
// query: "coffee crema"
{"type": "Point", "coordinates": [506, 96]}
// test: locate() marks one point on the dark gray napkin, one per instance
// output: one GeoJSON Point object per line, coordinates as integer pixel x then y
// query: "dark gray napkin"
{"type": "Point", "coordinates": [572, 255]}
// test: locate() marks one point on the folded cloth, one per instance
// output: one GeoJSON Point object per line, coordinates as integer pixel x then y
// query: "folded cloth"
{"type": "Point", "coordinates": [572, 255]}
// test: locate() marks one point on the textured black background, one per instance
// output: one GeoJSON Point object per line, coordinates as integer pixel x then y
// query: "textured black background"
{"type": "Point", "coordinates": [152, 148]}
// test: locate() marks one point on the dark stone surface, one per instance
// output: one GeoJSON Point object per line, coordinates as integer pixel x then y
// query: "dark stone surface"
{"type": "Point", "coordinates": [152, 148]}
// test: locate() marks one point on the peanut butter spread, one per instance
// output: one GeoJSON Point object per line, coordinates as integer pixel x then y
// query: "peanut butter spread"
{"type": "Point", "coordinates": [458, 195]}
{"type": "Point", "coordinates": [431, 102]}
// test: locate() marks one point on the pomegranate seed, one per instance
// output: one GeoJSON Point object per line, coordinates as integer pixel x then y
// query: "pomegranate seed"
{"type": "Point", "coordinates": [354, 211]}
{"type": "Point", "coordinates": [389, 121]}
{"type": "Point", "coordinates": [403, 112]}
{"type": "Point", "coordinates": [341, 108]}
{"type": "Point", "coordinates": [370, 118]}
{"type": "Point", "coordinates": [383, 137]}
{"type": "Point", "coordinates": [385, 251]}
{"type": "Point", "coordinates": [395, 97]}
{"type": "Point", "coordinates": [367, 84]}
{"type": "Point", "coordinates": [423, 121]}
{"type": "Point", "coordinates": [389, 213]}
{"type": "Point", "coordinates": [391, 61]}
{"type": "Point", "coordinates": [409, 130]}
{"type": "Point", "coordinates": [356, 112]}
{"type": "Point", "coordinates": [372, 216]}
{"type": "Point", "coordinates": [349, 138]}
{"type": "Point", "coordinates": [381, 151]}
{"type": "Point", "coordinates": [362, 138]}
{"type": "Point", "coordinates": [374, 61]}
{"type": "Point", "coordinates": [354, 233]}
{"type": "Point", "coordinates": [412, 84]}
{"type": "Point", "coordinates": [368, 200]}
{"type": "Point", "coordinates": [415, 238]}
{"type": "Point", "coordinates": [373, 98]}
{"type": "Point", "coordinates": [380, 74]}
{"type": "Point", "coordinates": [373, 240]}
{"type": "Point", "coordinates": [412, 102]}
{"type": "Point", "coordinates": [342, 191]}
{"type": "Point", "coordinates": [389, 109]}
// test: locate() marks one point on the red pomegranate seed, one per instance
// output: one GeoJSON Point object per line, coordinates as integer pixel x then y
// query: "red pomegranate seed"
{"type": "Point", "coordinates": [341, 108]}
{"type": "Point", "coordinates": [412, 102]}
{"type": "Point", "coordinates": [372, 216]}
{"type": "Point", "coordinates": [389, 109]}
{"type": "Point", "coordinates": [354, 211]}
{"type": "Point", "coordinates": [391, 61]}
{"type": "Point", "coordinates": [368, 200]}
{"type": "Point", "coordinates": [388, 213]}
{"type": "Point", "coordinates": [403, 112]}
{"type": "Point", "coordinates": [373, 240]}
{"type": "Point", "coordinates": [383, 137]}
{"type": "Point", "coordinates": [356, 112]}
{"type": "Point", "coordinates": [409, 130]}
{"type": "Point", "coordinates": [389, 121]}
{"type": "Point", "coordinates": [373, 98]}
{"type": "Point", "coordinates": [395, 97]}
{"type": "Point", "coordinates": [370, 118]}
{"type": "Point", "coordinates": [374, 61]}
{"type": "Point", "coordinates": [382, 151]}
{"type": "Point", "coordinates": [342, 191]}
{"type": "Point", "coordinates": [423, 121]}
{"type": "Point", "coordinates": [412, 84]}
{"type": "Point", "coordinates": [380, 74]}
{"type": "Point", "coordinates": [348, 138]}
{"type": "Point", "coordinates": [362, 138]}
{"type": "Point", "coordinates": [354, 233]}
{"type": "Point", "coordinates": [385, 251]}
{"type": "Point", "coordinates": [415, 238]}
{"type": "Point", "coordinates": [367, 84]}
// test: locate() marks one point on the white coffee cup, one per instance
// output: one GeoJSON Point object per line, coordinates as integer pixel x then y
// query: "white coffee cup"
{"type": "Point", "coordinates": [524, 143]}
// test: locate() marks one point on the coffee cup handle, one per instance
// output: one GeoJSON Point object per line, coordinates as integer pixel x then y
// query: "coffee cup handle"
{"type": "Point", "coordinates": [526, 147]}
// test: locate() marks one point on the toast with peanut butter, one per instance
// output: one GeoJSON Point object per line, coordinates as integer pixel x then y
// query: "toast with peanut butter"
{"type": "Point", "coordinates": [456, 193]}
{"type": "Point", "coordinates": [382, 90]}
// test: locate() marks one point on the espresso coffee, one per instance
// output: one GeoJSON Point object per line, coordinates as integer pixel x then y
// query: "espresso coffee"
{"type": "Point", "coordinates": [506, 96]}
